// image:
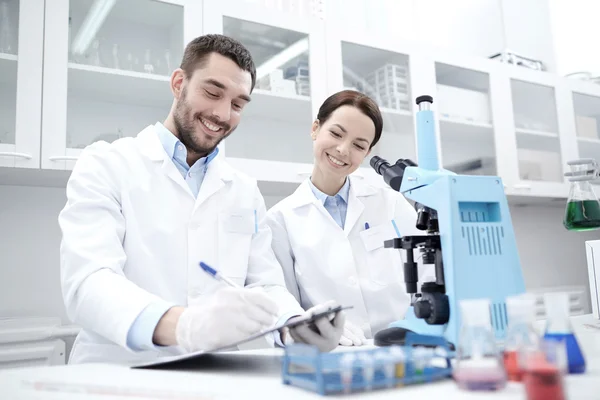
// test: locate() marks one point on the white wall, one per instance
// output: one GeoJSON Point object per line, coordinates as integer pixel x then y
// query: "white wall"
{"type": "Point", "coordinates": [575, 34]}
{"type": "Point", "coordinates": [477, 27]}
{"type": "Point", "coordinates": [30, 239]}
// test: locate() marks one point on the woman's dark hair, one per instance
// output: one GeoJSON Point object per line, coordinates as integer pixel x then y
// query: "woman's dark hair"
{"type": "Point", "coordinates": [356, 99]}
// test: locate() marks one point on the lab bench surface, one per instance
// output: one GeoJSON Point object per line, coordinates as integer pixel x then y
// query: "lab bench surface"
{"type": "Point", "coordinates": [254, 374]}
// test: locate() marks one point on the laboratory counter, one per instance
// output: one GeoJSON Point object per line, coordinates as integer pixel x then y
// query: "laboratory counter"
{"type": "Point", "coordinates": [254, 374]}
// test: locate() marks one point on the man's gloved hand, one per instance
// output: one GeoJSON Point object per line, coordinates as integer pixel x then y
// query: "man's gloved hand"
{"type": "Point", "coordinates": [329, 331]}
{"type": "Point", "coordinates": [353, 335]}
{"type": "Point", "coordinates": [230, 315]}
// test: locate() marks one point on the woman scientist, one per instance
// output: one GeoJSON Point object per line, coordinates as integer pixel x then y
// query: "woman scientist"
{"type": "Point", "coordinates": [328, 235]}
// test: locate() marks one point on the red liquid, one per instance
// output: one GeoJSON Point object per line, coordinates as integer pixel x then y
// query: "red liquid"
{"type": "Point", "coordinates": [511, 365]}
{"type": "Point", "coordinates": [543, 382]}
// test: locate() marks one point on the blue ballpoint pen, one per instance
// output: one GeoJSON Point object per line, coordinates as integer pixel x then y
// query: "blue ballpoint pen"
{"type": "Point", "coordinates": [366, 225]}
{"type": "Point", "coordinates": [215, 274]}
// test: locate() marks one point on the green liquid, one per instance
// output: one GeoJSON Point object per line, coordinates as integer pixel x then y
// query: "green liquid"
{"type": "Point", "coordinates": [582, 215]}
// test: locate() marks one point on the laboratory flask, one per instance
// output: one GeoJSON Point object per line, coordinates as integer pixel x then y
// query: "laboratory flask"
{"type": "Point", "coordinates": [521, 336]}
{"type": "Point", "coordinates": [558, 328]}
{"type": "Point", "coordinates": [583, 209]}
{"type": "Point", "coordinates": [478, 362]}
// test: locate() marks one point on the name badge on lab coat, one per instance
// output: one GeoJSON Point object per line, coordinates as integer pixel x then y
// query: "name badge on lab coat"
{"type": "Point", "coordinates": [239, 221]}
{"type": "Point", "coordinates": [374, 237]}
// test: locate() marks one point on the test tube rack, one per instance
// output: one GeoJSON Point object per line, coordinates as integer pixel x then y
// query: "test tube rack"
{"type": "Point", "coordinates": [306, 367]}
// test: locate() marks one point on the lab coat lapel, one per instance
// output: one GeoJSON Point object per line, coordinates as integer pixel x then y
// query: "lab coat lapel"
{"type": "Point", "coordinates": [304, 196]}
{"type": "Point", "coordinates": [217, 174]}
{"type": "Point", "coordinates": [358, 189]}
{"type": "Point", "coordinates": [152, 148]}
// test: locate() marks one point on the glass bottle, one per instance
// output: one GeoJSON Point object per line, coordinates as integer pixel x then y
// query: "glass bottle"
{"type": "Point", "coordinates": [479, 365]}
{"type": "Point", "coordinates": [558, 328]}
{"type": "Point", "coordinates": [521, 335]}
{"type": "Point", "coordinates": [583, 209]}
{"type": "Point", "coordinates": [6, 33]}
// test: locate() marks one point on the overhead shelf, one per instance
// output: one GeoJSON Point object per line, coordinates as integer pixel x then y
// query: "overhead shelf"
{"type": "Point", "coordinates": [8, 69]}
{"type": "Point", "coordinates": [279, 107]}
{"type": "Point", "coordinates": [119, 86]}
{"type": "Point", "coordinates": [465, 131]}
{"type": "Point", "coordinates": [538, 140]}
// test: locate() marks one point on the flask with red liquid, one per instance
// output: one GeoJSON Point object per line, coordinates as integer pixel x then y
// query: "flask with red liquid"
{"type": "Point", "coordinates": [521, 335]}
{"type": "Point", "coordinates": [543, 371]}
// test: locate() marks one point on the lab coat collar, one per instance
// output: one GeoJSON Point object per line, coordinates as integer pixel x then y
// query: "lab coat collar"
{"type": "Point", "coordinates": [304, 194]}
{"type": "Point", "coordinates": [151, 146]}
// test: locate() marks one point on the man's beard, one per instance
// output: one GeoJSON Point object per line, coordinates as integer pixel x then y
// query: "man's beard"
{"type": "Point", "coordinates": [186, 127]}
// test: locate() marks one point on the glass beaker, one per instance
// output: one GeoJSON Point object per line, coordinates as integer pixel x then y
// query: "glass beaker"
{"type": "Point", "coordinates": [559, 329]}
{"type": "Point", "coordinates": [583, 209]}
{"type": "Point", "coordinates": [543, 370]}
{"type": "Point", "coordinates": [521, 335]}
{"type": "Point", "coordinates": [478, 365]}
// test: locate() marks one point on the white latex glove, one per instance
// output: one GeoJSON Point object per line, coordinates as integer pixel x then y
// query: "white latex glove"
{"type": "Point", "coordinates": [230, 315]}
{"type": "Point", "coordinates": [329, 333]}
{"type": "Point", "coordinates": [353, 335]}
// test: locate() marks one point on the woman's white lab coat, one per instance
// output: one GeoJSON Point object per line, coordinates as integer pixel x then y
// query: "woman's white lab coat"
{"type": "Point", "coordinates": [321, 261]}
{"type": "Point", "coordinates": [133, 233]}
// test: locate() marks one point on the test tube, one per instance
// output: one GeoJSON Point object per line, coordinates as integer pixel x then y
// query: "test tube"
{"type": "Point", "coordinates": [368, 370]}
{"type": "Point", "coordinates": [346, 371]}
{"type": "Point", "coordinates": [385, 361]}
{"type": "Point", "coordinates": [399, 359]}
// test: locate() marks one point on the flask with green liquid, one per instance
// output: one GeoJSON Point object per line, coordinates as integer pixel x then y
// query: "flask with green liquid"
{"type": "Point", "coordinates": [583, 209]}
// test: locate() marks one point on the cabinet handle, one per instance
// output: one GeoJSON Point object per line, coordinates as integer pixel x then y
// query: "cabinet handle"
{"type": "Point", "coordinates": [63, 158]}
{"type": "Point", "coordinates": [522, 186]}
{"type": "Point", "coordinates": [16, 155]}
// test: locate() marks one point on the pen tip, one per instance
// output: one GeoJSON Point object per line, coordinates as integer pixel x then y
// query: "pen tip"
{"type": "Point", "coordinates": [207, 268]}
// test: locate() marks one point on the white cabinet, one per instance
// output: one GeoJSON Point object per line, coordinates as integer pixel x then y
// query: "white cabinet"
{"type": "Point", "coordinates": [273, 140]}
{"type": "Point", "coordinates": [107, 67]}
{"type": "Point", "coordinates": [21, 52]}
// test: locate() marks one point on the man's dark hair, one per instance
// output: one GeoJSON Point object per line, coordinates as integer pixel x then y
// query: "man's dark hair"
{"type": "Point", "coordinates": [198, 50]}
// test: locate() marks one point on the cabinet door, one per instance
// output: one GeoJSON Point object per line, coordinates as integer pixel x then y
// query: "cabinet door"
{"type": "Point", "coordinates": [21, 51]}
{"type": "Point", "coordinates": [272, 141]}
{"type": "Point", "coordinates": [107, 69]}
{"type": "Point", "coordinates": [586, 112]}
{"type": "Point", "coordinates": [542, 133]}
{"type": "Point", "coordinates": [384, 70]}
{"type": "Point", "coordinates": [466, 116]}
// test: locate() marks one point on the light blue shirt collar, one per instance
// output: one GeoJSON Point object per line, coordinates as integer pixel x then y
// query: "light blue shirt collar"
{"type": "Point", "coordinates": [343, 193]}
{"type": "Point", "coordinates": [177, 151]}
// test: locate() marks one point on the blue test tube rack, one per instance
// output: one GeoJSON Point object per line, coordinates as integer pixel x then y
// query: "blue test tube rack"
{"type": "Point", "coordinates": [306, 367]}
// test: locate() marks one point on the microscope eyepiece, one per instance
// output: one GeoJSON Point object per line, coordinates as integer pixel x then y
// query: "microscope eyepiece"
{"type": "Point", "coordinates": [377, 163]}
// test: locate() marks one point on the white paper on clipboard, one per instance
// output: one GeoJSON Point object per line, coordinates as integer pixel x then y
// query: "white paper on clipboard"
{"type": "Point", "coordinates": [165, 361]}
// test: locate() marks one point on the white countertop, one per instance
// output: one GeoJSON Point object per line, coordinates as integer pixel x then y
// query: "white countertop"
{"type": "Point", "coordinates": [110, 382]}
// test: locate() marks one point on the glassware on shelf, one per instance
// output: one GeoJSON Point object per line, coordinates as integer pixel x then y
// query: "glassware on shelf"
{"type": "Point", "coordinates": [478, 366]}
{"type": "Point", "coordinates": [583, 209]}
{"type": "Point", "coordinates": [559, 329]}
{"type": "Point", "coordinates": [115, 56]}
{"type": "Point", "coordinates": [94, 55]}
{"type": "Point", "coordinates": [521, 335]}
{"type": "Point", "coordinates": [6, 30]}
{"type": "Point", "coordinates": [168, 61]}
{"type": "Point", "coordinates": [148, 66]}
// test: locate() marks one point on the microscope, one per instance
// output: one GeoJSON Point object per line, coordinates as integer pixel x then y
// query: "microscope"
{"type": "Point", "coordinates": [467, 235]}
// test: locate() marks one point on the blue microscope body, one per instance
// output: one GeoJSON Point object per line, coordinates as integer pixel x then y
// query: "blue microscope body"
{"type": "Point", "coordinates": [468, 236]}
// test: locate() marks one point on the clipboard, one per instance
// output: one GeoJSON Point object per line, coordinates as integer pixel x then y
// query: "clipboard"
{"type": "Point", "coordinates": [290, 323]}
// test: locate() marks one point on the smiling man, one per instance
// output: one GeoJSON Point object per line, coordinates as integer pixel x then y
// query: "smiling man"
{"type": "Point", "coordinates": [142, 213]}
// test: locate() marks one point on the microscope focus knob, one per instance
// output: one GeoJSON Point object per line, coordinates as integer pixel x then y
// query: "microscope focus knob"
{"type": "Point", "coordinates": [440, 308]}
{"type": "Point", "coordinates": [423, 309]}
